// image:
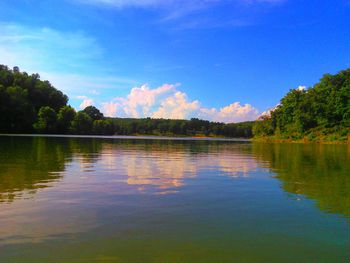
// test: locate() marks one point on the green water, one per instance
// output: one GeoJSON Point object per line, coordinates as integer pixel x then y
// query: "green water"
{"type": "Point", "coordinates": [128, 200]}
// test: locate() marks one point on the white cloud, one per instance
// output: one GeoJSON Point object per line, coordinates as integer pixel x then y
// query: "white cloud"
{"type": "Point", "coordinates": [139, 102]}
{"type": "Point", "coordinates": [167, 102]}
{"type": "Point", "coordinates": [234, 112]}
{"type": "Point", "coordinates": [177, 106]}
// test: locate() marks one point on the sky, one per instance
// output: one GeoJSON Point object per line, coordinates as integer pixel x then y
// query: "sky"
{"type": "Point", "coordinates": [219, 60]}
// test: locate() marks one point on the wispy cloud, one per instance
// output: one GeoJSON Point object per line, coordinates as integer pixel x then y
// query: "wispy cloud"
{"type": "Point", "coordinates": [39, 48]}
{"type": "Point", "coordinates": [127, 3]}
{"type": "Point", "coordinates": [81, 83]}
{"type": "Point", "coordinates": [165, 3]}
{"type": "Point", "coordinates": [69, 60]}
{"type": "Point", "coordinates": [196, 13]}
{"type": "Point", "coordinates": [167, 101]}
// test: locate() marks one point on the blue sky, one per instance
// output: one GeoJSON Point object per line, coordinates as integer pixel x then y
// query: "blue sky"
{"type": "Point", "coordinates": [222, 60]}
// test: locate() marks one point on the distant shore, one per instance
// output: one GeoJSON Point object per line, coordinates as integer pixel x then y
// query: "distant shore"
{"type": "Point", "coordinates": [138, 137]}
{"type": "Point", "coordinates": [184, 138]}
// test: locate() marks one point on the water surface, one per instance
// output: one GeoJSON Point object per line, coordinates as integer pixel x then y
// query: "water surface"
{"type": "Point", "coordinates": [132, 200]}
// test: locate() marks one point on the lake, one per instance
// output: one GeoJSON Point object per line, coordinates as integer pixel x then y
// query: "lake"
{"type": "Point", "coordinates": [147, 200]}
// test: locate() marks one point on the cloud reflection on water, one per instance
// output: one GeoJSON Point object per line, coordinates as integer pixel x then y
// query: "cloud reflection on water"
{"type": "Point", "coordinates": [52, 187]}
{"type": "Point", "coordinates": [169, 167]}
{"type": "Point", "coordinates": [56, 187]}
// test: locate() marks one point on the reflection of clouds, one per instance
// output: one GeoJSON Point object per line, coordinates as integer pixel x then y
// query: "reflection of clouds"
{"type": "Point", "coordinates": [237, 165]}
{"type": "Point", "coordinates": [161, 172]}
{"type": "Point", "coordinates": [166, 168]}
{"type": "Point", "coordinates": [88, 181]}
{"type": "Point", "coordinates": [152, 167]}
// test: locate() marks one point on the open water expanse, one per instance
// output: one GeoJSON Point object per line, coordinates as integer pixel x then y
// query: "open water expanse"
{"type": "Point", "coordinates": [146, 200]}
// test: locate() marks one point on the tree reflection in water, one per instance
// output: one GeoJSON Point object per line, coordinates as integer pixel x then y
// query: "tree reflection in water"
{"type": "Point", "coordinates": [319, 172]}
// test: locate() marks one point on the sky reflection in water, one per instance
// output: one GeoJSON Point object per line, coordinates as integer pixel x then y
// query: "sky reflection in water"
{"type": "Point", "coordinates": [129, 193]}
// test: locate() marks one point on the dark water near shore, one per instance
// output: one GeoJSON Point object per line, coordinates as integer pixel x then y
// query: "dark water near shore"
{"type": "Point", "coordinates": [128, 200]}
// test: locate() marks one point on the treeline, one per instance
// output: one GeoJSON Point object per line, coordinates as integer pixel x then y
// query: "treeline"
{"type": "Point", "coordinates": [191, 127]}
{"type": "Point", "coordinates": [320, 113]}
{"type": "Point", "coordinates": [21, 98]}
{"type": "Point", "coordinates": [30, 105]}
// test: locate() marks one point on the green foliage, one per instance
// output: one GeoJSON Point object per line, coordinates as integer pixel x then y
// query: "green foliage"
{"type": "Point", "coordinates": [306, 113]}
{"type": "Point", "coordinates": [16, 113]}
{"type": "Point", "coordinates": [47, 120]}
{"type": "Point", "coordinates": [65, 117]}
{"type": "Point", "coordinates": [21, 98]}
{"type": "Point", "coordinates": [103, 127]}
{"type": "Point", "coordinates": [193, 127]}
{"type": "Point", "coordinates": [82, 123]}
{"type": "Point", "coordinates": [93, 112]}
{"type": "Point", "coordinates": [263, 127]}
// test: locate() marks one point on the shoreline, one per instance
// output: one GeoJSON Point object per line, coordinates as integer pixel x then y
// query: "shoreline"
{"type": "Point", "coordinates": [301, 141]}
{"type": "Point", "coordinates": [137, 137]}
{"type": "Point", "coordinates": [181, 138]}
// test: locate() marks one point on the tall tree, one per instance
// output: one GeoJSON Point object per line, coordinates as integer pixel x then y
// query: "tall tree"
{"type": "Point", "coordinates": [93, 112]}
{"type": "Point", "coordinates": [82, 123]}
{"type": "Point", "coordinates": [65, 117]}
{"type": "Point", "coordinates": [47, 120]}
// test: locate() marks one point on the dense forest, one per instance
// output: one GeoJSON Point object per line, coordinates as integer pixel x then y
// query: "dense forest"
{"type": "Point", "coordinates": [193, 127]}
{"type": "Point", "coordinates": [319, 113]}
{"type": "Point", "coordinates": [30, 105]}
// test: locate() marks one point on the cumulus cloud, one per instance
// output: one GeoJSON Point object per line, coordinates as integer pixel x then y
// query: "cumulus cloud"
{"type": "Point", "coordinates": [168, 102]}
{"type": "Point", "coordinates": [139, 102]}
{"type": "Point", "coordinates": [177, 106]}
{"type": "Point", "coordinates": [234, 112]}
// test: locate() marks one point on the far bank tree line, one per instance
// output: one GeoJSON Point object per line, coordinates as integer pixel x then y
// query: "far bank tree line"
{"type": "Point", "coordinates": [91, 121]}
{"type": "Point", "coordinates": [30, 105]}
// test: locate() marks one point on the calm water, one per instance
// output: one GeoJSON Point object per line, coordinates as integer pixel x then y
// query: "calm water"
{"type": "Point", "coordinates": [105, 200]}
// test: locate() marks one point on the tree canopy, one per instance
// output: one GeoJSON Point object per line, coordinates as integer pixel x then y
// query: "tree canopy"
{"type": "Point", "coordinates": [21, 98]}
{"type": "Point", "coordinates": [93, 112]}
{"type": "Point", "coordinates": [313, 113]}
